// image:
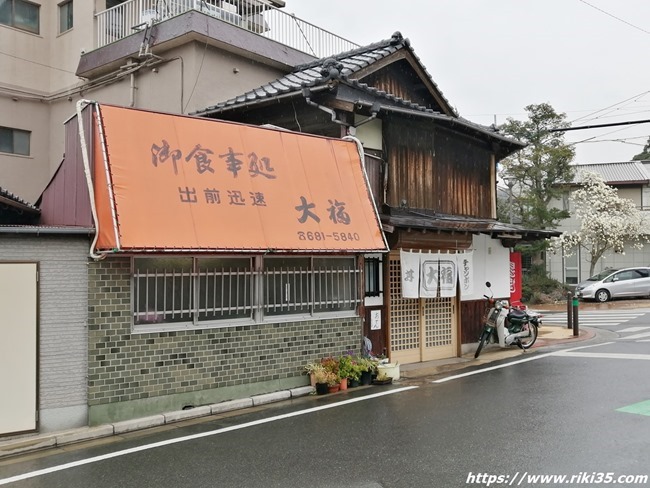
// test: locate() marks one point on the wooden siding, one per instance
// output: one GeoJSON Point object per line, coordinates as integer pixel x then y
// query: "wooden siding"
{"type": "Point", "coordinates": [399, 79]}
{"type": "Point", "coordinates": [430, 240]}
{"type": "Point", "coordinates": [471, 320]}
{"type": "Point", "coordinates": [433, 168]}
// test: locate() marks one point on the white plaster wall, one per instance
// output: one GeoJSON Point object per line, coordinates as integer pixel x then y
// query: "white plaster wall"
{"type": "Point", "coordinates": [491, 263]}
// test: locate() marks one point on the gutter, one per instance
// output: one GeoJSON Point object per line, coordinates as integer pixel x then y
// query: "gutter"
{"type": "Point", "coordinates": [444, 118]}
{"type": "Point", "coordinates": [226, 108]}
{"type": "Point", "coordinates": [35, 230]}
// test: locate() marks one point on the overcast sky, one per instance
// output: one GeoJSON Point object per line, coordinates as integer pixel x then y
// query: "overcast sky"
{"type": "Point", "coordinates": [589, 59]}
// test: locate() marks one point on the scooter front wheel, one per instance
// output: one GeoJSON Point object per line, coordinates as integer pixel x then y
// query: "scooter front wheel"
{"type": "Point", "coordinates": [484, 337]}
{"type": "Point", "coordinates": [527, 342]}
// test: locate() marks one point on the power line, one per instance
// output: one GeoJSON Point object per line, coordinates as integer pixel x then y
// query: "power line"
{"type": "Point", "coordinates": [35, 62]}
{"type": "Point", "coordinates": [633, 98]}
{"type": "Point", "coordinates": [614, 17]}
{"type": "Point", "coordinates": [596, 126]}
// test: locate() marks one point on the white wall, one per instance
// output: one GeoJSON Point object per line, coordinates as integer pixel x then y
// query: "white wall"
{"type": "Point", "coordinates": [491, 263]}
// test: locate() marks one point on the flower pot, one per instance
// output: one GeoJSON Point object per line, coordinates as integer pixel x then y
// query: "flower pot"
{"type": "Point", "coordinates": [366, 378]}
{"type": "Point", "coordinates": [386, 381]}
{"type": "Point", "coordinates": [322, 388]}
{"type": "Point", "coordinates": [333, 388]}
{"type": "Point", "coordinates": [343, 384]}
{"type": "Point", "coordinates": [352, 383]}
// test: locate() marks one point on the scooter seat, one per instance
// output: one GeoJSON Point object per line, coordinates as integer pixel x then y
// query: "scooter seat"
{"type": "Point", "coordinates": [519, 314]}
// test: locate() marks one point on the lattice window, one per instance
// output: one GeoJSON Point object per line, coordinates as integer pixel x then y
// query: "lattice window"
{"type": "Point", "coordinates": [189, 290]}
{"type": "Point", "coordinates": [404, 312]}
{"type": "Point", "coordinates": [438, 326]}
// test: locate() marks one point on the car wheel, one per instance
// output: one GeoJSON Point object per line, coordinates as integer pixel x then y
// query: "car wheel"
{"type": "Point", "coordinates": [602, 296]}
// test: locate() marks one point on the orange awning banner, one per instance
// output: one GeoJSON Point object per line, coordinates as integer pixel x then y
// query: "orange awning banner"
{"type": "Point", "coordinates": [177, 183]}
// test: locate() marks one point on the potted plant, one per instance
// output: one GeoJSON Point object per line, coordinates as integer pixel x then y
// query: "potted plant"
{"type": "Point", "coordinates": [368, 368]}
{"type": "Point", "coordinates": [311, 368]}
{"type": "Point", "coordinates": [322, 378]}
{"type": "Point", "coordinates": [346, 370]}
{"type": "Point", "coordinates": [382, 379]}
{"type": "Point", "coordinates": [333, 382]}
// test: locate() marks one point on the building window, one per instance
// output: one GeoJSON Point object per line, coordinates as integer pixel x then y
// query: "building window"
{"type": "Point", "coordinates": [372, 267]}
{"type": "Point", "coordinates": [14, 141]}
{"type": "Point", "coordinates": [20, 14]}
{"type": "Point", "coordinates": [65, 16]}
{"type": "Point", "coordinates": [217, 290]}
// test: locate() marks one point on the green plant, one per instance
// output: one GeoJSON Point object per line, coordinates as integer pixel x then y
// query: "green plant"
{"type": "Point", "coordinates": [331, 363]}
{"type": "Point", "coordinates": [332, 379]}
{"type": "Point", "coordinates": [313, 366]}
{"type": "Point", "coordinates": [347, 367]}
{"type": "Point", "coordinates": [537, 286]}
{"type": "Point", "coordinates": [367, 364]}
{"type": "Point", "coordinates": [321, 375]}
{"type": "Point", "coordinates": [382, 376]}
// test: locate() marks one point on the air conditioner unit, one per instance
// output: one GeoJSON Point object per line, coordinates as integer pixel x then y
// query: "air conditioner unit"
{"type": "Point", "coordinates": [217, 12]}
{"type": "Point", "coordinates": [257, 24]}
{"type": "Point", "coordinates": [148, 16]}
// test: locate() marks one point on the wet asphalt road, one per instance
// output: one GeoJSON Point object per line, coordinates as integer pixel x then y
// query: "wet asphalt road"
{"type": "Point", "coordinates": [555, 414]}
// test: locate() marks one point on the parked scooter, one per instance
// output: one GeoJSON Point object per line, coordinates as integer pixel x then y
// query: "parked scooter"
{"type": "Point", "coordinates": [507, 325]}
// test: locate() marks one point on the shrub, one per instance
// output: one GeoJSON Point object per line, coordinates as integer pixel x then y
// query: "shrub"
{"type": "Point", "coordinates": [538, 287]}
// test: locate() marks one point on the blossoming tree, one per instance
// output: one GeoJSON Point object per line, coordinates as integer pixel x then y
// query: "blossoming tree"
{"type": "Point", "coordinates": [607, 222]}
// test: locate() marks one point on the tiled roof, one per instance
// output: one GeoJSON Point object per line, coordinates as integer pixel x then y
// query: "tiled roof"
{"type": "Point", "coordinates": [341, 66]}
{"type": "Point", "coordinates": [622, 172]}
{"type": "Point", "coordinates": [9, 198]}
{"type": "Point", "coordinates": [407, 218]}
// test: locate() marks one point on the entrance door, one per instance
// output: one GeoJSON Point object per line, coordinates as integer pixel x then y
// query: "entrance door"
{"type": "Point", "coordinates": [18, 347]}
{"type": "Point", "coordinates": [421, 329]}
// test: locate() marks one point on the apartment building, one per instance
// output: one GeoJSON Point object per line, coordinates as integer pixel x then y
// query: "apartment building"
{"type": "Point", "coordinates": [174, 56]}
{"type": "Point", "coordinates": [165, 56]}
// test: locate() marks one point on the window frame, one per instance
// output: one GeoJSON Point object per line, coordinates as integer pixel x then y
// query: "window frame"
{"type": "Point", "coordinates": [372, 277]}
{"type": "Point", "coordinates": [22, 27]}
{"type": "Point", "coordinates": [259, 274]}
{"type": "Point", "coordinates": [69, 18]}
{"type": "Point", "coordinates": [15, 131]}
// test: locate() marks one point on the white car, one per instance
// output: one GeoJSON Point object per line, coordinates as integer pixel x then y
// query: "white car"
{"type": "Point", "coordinates": [615, 283]}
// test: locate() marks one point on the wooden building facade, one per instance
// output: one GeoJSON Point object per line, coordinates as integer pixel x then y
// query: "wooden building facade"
{"type": "Point", "coordinates": [432, 175]}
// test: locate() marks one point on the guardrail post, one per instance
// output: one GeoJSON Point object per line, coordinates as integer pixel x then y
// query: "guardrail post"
{"type": "Point", "coordinates": [576, 331]}
{"type": "Point", "coordinates": [569, 310]}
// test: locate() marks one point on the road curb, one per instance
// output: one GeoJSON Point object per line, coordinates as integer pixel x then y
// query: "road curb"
{"type": "Point", "coordinates": [38, 442]}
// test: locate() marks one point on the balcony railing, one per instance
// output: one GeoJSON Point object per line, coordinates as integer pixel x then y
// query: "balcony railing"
{"type": "Point", "coordinates": [256, 16]}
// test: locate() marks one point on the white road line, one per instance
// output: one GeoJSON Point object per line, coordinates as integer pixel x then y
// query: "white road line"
{"type": "Point", "coordinates": [513, 363]}
{"type": "Point", "coordinates": [596, 314]}
{"type": "Point", "coordinates": [605, 355]}
{"type": "Point", "coordinates": [61, 467]}
{"type": "Point", "coordinates": [635, 336]}
{"type": "Point", "coordinates": [633, 329]}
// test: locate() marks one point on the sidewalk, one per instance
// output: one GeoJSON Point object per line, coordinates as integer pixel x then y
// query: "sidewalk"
{"type": "Point", "coordinates": [548, 335]}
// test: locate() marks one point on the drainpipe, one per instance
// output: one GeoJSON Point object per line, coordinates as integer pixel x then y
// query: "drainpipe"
{"type": "Point", "coordinates": [133, 89]}
{"type": "Point", "coordinates": [374, 111]}
{"type": "Point", "coordinates": [306, 92]}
